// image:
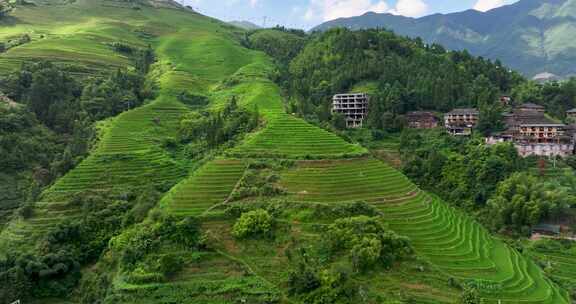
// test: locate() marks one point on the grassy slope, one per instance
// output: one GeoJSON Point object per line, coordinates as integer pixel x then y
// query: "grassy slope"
{"type": "Point", "coordinates": [129, 153]}
{"type": "Point", "coordinates": [197, 54]}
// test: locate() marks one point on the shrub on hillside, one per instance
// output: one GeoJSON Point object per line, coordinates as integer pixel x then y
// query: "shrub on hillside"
{"type": "Point", "coordinates": [470, 295]}
{"type": "Point", "coordinates": [26, 211]}
{"type": "Point", "coordinates": [253, 223]}
{"type": "Point", "coordinates": [367, 242]}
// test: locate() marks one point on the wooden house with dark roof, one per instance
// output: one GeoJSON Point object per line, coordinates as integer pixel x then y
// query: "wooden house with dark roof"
{"type": "Point", "coordinates": [571, 114]}
{"type": "Point", "coordinates": [531, 107]}
{"type": "Point", "coordinates": [422, 120]}
{"type": "Point", "coordinates": [460, 122]}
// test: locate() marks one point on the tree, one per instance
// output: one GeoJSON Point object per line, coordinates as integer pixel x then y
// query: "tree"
{"type": "Point", "coordinates": [253, 223]}
{"type": "Point", "coordinates": [470, 295]}
{"type": "Point", "coordinates": [366, 253]}
{"type": "Point", "coordinates": [367, 241]}
{"type": "Point", "coordinates": [522, 201]}
{"type": "Point", "coordinates": [491, 119]}
{"type": "Point", "coordinates": [339, 121]}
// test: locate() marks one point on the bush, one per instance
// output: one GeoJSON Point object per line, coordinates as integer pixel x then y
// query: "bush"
{"type": "Point", "coordinates": [169, 264]}
{"type": "Point", "coordinates": [367, 241]}
{"type": "Point", "coordinates": [253, 223]}
{"type": "Point", "coordinates": [26, 211]}
{"type": "Point", "coordinates": [145, 278]}
{"type": "Point", "coordinates": [470, 295]}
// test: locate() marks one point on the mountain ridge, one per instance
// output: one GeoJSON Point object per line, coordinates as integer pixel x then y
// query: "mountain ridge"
{"type": "Point", "coordinates": [531, 36]}
{"type": "Point", "coordinates": [243, 24]}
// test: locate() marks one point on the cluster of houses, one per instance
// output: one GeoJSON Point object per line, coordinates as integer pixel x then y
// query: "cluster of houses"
{"type": "Point", "coordinates": [528, 127]}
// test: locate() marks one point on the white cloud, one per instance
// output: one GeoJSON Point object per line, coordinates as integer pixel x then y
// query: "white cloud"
{"type": "Point", "coordinates": [325, 10]}
{"type": "Point", "coordinates": [333, 9]}
{"type": "Point", "coordinates": [486, 5]}
{"type": "Point", "coordinates": [410, 8]}
{"type": "Point", "coordinates": [253, 3]}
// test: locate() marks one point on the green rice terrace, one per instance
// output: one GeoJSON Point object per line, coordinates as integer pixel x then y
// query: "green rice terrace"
{"type": "Point", "coordinates": [312, 174]}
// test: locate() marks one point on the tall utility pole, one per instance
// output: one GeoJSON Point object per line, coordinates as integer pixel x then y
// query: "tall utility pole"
{"type": "Point", "coordinates": [265, 18]}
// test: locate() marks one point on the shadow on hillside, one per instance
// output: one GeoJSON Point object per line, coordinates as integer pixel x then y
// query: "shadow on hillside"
{"type": "Point", "coordinates": [10, 21]}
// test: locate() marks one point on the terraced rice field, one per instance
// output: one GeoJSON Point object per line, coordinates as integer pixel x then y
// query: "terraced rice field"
{"type": "Point", "coordinates": [128, 157]}
{"type": "Point", "coordinates": [210, 185]}
{"type": "Point", "coordinates": [213, 280]}
{"type": "Point", "coordinates": [449, 239]}
{"type": "Point", "coordinates": [47, 215]}
{"type": "Point", "coordinates": [563, 264]}
{"type": "Point", "coordinates": [118, 171]}
{"type": "Point", "coordinates": [461, 247]}
{"type": "Point", "coordinates": [140, 129]}
{"type": "Point", "coordinates": [284, 135]}
{"type": "Point", "coordinates": [291, 137]}
{"type": "Point", "coordinates": [346, 181]}
{"type": "Point", "coordinates": [129, 154]}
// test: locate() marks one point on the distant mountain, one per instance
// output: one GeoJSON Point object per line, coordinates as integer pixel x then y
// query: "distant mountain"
{"type": "Point", "coordinates": [533, 36]}
{"type": "Point", "coordinates": [247, 25]}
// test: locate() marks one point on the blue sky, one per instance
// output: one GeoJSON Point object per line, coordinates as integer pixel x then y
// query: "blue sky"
{"type": "Point", "coordinates": [308, 13]}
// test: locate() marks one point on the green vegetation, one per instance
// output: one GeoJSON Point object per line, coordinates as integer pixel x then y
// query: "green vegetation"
{"type": "Point", "coordinates": [506, 192]}
{"type": "Point", "coordinates": [279, 43]}
{"type": "Point", "coordinates": [177, 203]}
{"type": "Point", "coordinates": [368, 242]}
{"type": "Point", "coordinates": [559, 97]}
{"type": "Point", "coordinates": [339, 60]}
{"type": "Point", "coordinates": [253, 223]}
{"type": "Point", "coordinates": [556, 257]}
{"type": "Point", "coordinates": [522, 201]}
{"type": "Point", "coordinates": [210, 185]}
{"type": "Point", "coordinates": [347, 181]}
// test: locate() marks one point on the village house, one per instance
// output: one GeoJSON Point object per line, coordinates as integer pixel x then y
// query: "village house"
{"type": "Point", "coordinates": [532, 133]}
{"type": "Point", "coordinates": [571, 114]}
{"type": "Point", "coordinates": [354, 107]}
{"type": "Point", "coordinates": [460, 122]}
{"type": "Point", "coordinates": [505, 100]}
{"type": "Point", "coordinates": [422, 120]}
{"type": "Point", "coordinates": [546, 229]}
{"type": "Point", "coordinates": [531, 107]}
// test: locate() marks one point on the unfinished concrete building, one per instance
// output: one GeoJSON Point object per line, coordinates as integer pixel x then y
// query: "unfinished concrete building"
{"type": "Point", "coordinates": [354, 107]}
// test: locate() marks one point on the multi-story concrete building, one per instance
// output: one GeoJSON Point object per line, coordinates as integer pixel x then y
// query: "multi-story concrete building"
{"type": "Point", "coordinates": [461, 121]}
{"type": "Point", "coordinates": [353, 106]}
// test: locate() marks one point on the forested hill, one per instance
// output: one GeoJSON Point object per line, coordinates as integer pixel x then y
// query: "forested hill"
{"type": "Point", "coordinates": [532, 36]}
{"type": "Point", "coordinates": [401, 74]}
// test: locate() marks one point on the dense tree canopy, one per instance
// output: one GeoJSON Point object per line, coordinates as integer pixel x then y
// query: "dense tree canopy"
{"type": "Point", "coordinates": [558, 97]}
{"type": "Point", "coordinates": [465, 173]}
{"type": "Point", "coordinates": [523, 200]}
{"type": "Point", "coordinates": [408, 75]}
{"type": "Point", "coordinates": [48, 127]}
